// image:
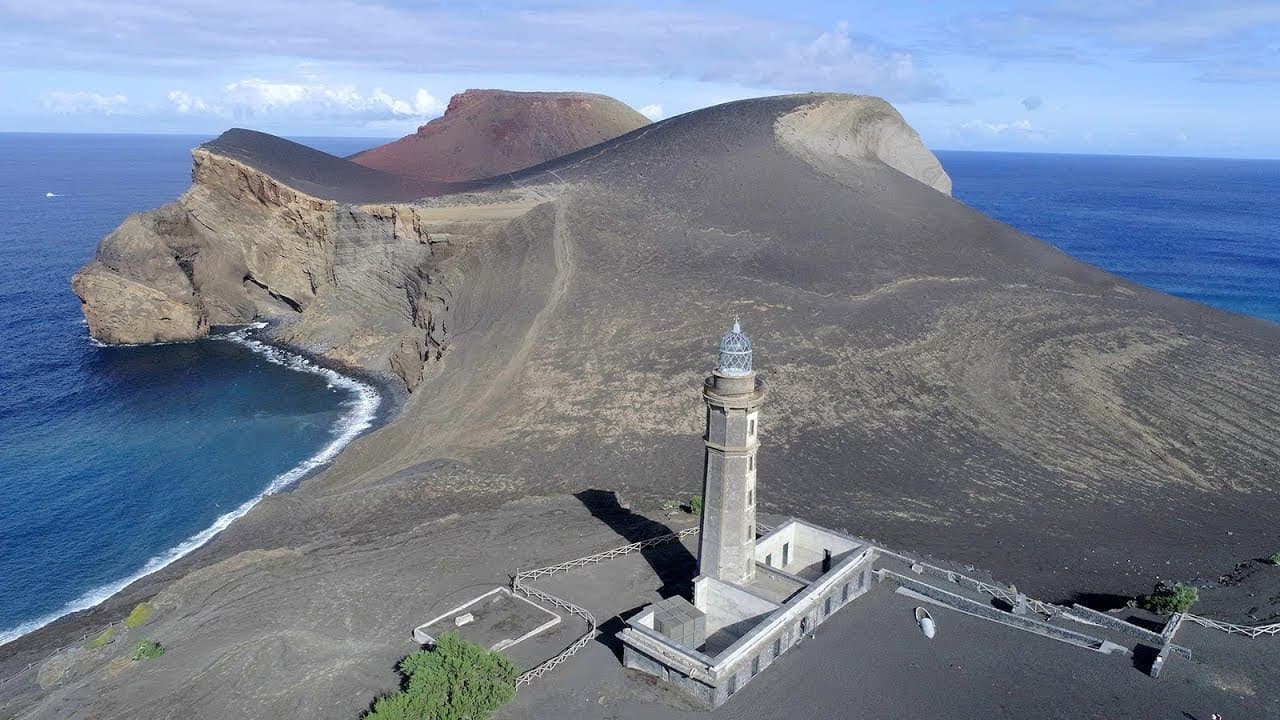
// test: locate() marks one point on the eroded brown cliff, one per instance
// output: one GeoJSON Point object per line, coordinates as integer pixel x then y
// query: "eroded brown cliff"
{"type": "Point", "coordinates": [240, 246]}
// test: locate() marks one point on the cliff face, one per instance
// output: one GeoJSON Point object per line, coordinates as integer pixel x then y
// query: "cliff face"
{"type": "Point", "coordinates": [841, 131]}
{"type": "Point", "coordinates": [240, 246]}
{"type": "Point", "coordinates": [484, 133]}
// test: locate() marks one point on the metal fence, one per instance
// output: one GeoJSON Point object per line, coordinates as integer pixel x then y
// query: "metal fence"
{"type": "Point", "coordinates": [518, 585]}
{"type": "Point", "coordinates": [1252, 631]}
{"type": "Point", "coordinates": [1006, 595]}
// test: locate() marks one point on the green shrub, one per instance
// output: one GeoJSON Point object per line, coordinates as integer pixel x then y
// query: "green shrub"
{"type": "Point", "coordinates": [695, 505]}
{"type": "Point", "coordinates": [456, 680]}
{"type": "Point", "coordinates": [1275, 558]}
{"type": "Point", "coordinates": [1166, 600]}
{"type": "Point", "coordinates": [103, 638]}
{"type": "Point", "coordinates": [148, 650]}
{"type": "Point", "coordinates": [140, 615]}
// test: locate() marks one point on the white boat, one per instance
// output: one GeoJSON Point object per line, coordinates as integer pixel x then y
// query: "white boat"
{"type": "Point", "coordinates": [925, 620]}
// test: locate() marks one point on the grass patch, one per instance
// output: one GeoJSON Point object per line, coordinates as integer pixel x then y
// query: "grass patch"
{"type": "Point", "coordinates": [1166, 600]}
{"type": "Point", "coordinates": [148, 650]}
{"type": "Point", "coordinates": [695, 505]}
{"type": "Point", "coordinates": [1275, 558]}
{"type": "Point", "coordinates": [103, 638]}
{"type": "Point", "coordinates": [140, 615]}
{"type": "Point", "coordinates": [456, 680]}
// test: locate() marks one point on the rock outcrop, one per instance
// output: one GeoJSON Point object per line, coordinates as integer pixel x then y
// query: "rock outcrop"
{"type": "Point", "coordinates": [836, 131]}
{"type": "Point", "coordinates": [240, 246]}
{"type": "Point", "coordinates": [489, 132]}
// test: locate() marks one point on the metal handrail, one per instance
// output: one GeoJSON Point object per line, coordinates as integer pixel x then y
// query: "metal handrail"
{"type": "Point", "coordinates": [1252, 631]}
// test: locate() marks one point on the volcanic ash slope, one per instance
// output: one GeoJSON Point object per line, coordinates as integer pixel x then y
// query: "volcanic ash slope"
{"type": "Point", "coordinates": [938, 380]}
{"type": "Point", "coordinates": [490, 132]}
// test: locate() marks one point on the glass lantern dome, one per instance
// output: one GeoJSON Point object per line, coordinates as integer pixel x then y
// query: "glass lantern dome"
{"type": "Point", "coordinates": [735, 353]}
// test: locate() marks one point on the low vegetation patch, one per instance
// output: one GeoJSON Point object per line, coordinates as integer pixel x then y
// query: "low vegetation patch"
{"type": "Point", "coordinates": [140, 615]}
{"type": "Point", "coordinates": [103, 638]}
{"type": "Point", "coordinates": [456, 680]}
{"type": "Point", "coordinates": [1275, 558]}
{"type": "Point", "coordinates": [148, 650]}
{"type": "Point", "coordinates": [1166, 600]}
{"type": "Point", "coordinates": [695, 505]}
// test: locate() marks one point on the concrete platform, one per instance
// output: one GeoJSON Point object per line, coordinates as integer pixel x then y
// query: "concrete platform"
{"type": "Point", "coordinates": [496, 620]}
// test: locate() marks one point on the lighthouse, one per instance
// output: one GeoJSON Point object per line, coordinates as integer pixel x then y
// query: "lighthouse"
{"type": "Point", "coordinates": [733, 396]}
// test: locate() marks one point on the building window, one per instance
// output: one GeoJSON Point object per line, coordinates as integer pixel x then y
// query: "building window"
{"type": "Point", "coordinates": [844, 593]}
{"type": "Point", "coordinates": [751, 462]}
{"type": "Point", "coordinates": [752, 428]}
{"type": "Point", "coordinates": [732, 687]}
{"type": "Point", "coordinates": [777, 646]}
{"type": "Point", "coordinates": [768, 560]}
{"type": "Point", "coordinates": [786, 554]}
{"type": "Point", "coordinates": [826, 605]}
{"type": "Point", "coordinates": [862, 580]}
{"type": "Point", "coordinates": [755, 665]}
{"type": "Point", "coordinates": [751, 496]}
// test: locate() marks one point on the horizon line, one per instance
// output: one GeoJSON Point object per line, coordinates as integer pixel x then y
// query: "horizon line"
{"type": "Point", "coordinates": [397, 137]}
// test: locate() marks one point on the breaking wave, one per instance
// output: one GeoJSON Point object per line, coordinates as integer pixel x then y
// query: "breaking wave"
{"type": "Point", "coordinates": [362, 409]}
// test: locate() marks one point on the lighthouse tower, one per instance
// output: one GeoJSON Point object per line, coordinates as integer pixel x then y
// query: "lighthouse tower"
{"type": "Point", "coordinates": [733, 395]}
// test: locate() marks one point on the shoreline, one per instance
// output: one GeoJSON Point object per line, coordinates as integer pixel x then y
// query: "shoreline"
{"type": "Point", "coordinates": [374, 402]}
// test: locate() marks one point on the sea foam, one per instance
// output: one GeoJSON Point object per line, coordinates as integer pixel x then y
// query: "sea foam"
{"type": "Point", "coordinates": [361, 413]}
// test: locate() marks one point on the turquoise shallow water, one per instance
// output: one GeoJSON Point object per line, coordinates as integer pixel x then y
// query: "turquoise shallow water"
{"type": "Point", "coordinates": [115, 461]}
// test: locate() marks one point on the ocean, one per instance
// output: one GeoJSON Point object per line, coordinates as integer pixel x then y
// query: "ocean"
{"type": "Point", "coordinates": [1203, 229]}
{"type": "Point", "coordinates": [116, 461]}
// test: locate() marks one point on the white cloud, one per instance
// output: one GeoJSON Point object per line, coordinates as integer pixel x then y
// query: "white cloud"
{"type": "Point", "coordinates": [1017, 128]}
{"type": "Point", "coordinates": [707, 42]}
{"type": "Point", "coordinates": [187, 104]}
{"type": "Point", "coordinates": [652, 111]}
{"type": "Point", "coordinates": [259, 98]}
{"type": "Point", "coordinates": [85, 103]}
{"type": "Point", "coordinates": [837, 60]}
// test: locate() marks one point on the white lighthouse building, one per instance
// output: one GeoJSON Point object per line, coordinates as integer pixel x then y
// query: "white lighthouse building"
{"type": "Point", "coordinates": [756, 595]}
{"type": "Point", "coordinates": [733, 395]}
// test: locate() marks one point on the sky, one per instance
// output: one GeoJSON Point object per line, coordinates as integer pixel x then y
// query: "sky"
{"type": "Point", "coordinates": [1141, 77]}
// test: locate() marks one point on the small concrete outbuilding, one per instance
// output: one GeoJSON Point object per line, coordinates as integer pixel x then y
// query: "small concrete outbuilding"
{"type": "Point", "coordinates": [755, 596]}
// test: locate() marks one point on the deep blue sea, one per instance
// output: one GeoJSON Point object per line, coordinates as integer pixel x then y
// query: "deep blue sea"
{"type": "Point", "coordinates": [116, 461]}
{"type": "Point", "coordinates": [1204, 229]}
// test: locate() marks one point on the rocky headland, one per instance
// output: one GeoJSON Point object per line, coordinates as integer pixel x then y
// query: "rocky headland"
{"type": "Point", "coordinates": [939, 382]}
